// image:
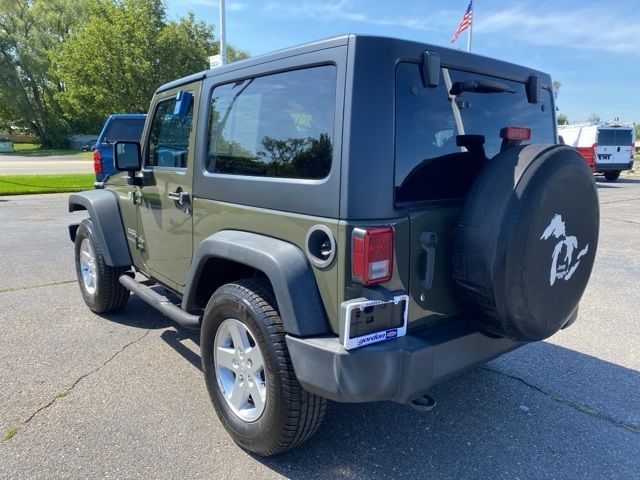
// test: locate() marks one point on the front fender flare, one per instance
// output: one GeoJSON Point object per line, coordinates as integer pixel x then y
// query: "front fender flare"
{"type": "Point", "coordinates": [286, 267]}
{"type": "Point", "coordinates": [104, 212]}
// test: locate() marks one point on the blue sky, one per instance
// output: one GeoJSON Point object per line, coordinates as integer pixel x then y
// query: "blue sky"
{"type": "Point", "coordinates": [591, 47]}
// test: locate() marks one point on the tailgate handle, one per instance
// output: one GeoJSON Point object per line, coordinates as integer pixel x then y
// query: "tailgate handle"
{"type": "Point", "coordinates": [428, 242]}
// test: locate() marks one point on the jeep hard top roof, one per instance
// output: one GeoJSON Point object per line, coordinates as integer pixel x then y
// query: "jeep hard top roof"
{"type": "Point", "coordinates": [450, 58]}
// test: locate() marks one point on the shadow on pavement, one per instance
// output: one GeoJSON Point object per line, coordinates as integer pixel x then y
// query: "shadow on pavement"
{"type": "Point", "coordinates": [542, 408]}
{"type": "Point", "coordinates": [628, 180]}
{"type": "Point", "coordinates": [542, 411]}
{"type": "Point", "coordinates": [602, 182]}
{"type": "Point", "coordinates": [174, 339]}
{"type": "Point", "coordinates": [489, 423]}
{"type": "Point", "coordinates": [138, 314]}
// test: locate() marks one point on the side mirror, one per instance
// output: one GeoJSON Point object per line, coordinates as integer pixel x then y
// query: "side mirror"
{"type": "Point", "coordinates": [127, 156]}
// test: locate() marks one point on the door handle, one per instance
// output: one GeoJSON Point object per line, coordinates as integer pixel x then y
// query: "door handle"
{"type": "Point", "coordinates": [179, 196]}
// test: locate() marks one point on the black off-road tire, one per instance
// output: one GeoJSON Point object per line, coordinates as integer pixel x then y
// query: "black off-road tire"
{"type": "Point", "coordinates": [612, 176]}
{"type": "Point", "coordinates": [109, 295]}
{"type": "Point", "coordinates": [526, 241]}
{"type": "Point", "coordinates": [291, 414]}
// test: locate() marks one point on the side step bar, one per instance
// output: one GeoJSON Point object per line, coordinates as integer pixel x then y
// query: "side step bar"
{"type": "Point", "coordinates": [161, 303]}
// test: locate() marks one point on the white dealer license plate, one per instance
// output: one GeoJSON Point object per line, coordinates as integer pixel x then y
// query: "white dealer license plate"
{"type": "Point", "coordinates": [373, 321]}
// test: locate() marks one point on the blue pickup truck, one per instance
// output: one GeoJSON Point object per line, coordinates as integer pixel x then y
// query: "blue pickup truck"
{"type": "Point", "coordinates": [119, 126]}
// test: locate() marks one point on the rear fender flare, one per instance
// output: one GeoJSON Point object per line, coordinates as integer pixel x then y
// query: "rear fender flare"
{"type": "Point", "coordinates": [284, 264]}
{"type": "Point", "coordinates": [102, 206]}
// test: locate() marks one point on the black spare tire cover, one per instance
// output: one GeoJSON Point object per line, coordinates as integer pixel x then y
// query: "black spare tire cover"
{"type": "Point", "coordinates": [526, 241]}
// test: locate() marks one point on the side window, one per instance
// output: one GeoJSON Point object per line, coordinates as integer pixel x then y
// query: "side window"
{"type": "Point", "coordinates": [169, 136]}
{"type": "Point", "coordinates": [280, 125]}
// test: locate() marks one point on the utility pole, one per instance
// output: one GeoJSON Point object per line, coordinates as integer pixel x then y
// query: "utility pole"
{"type": "Point", "coordinates": [223, 35]}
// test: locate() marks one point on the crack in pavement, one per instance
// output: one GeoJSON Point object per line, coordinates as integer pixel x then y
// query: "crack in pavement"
{"type": "Point", "coordinates": [576, 406]}
{"type": "Point", "coordinates": [65, 391]}
{"type": "Point", "coordinates": [634, 199]}
{"type": "Point", "coordinates": [621, 220]}
{"type": "Point", "coordinates": [29, 287]}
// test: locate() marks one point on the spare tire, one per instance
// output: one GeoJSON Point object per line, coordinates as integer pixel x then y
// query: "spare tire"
{"type": "Point", "coordinates": [526, 241]}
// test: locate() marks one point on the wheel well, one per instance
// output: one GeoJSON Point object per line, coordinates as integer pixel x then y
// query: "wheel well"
{"type": "Point", "coordinates": [75, 207]}
{"type": "Point", "coordinates": [219, 271]}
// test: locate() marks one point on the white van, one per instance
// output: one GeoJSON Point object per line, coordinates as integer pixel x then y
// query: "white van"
{"type": "Point", "coordinates": [607, 148]}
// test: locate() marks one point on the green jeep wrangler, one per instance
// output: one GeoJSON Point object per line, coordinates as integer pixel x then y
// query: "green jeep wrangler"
{"type": "Point", "coordinates": [355, 219]}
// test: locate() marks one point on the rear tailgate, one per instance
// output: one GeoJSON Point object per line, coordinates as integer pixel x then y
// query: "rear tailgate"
{"type": "Point", "coordinates": [431, 288]}
{"type": "Point", "coordinates": [433, 174]}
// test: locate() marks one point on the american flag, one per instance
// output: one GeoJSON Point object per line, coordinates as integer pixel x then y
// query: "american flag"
{"type": "Point", "coordinates": [464, 23]}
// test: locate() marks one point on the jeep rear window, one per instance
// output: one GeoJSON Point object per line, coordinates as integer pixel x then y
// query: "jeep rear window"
{"type": "Point", "coordinates": [614, 137]}
{"type": "Point", "coordinates": [428, 163]}
{"type": "Point", "coordinates": [279, 125]}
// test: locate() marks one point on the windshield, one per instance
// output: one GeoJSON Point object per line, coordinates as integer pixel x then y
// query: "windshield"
{"type": "Point", "coordinates": [614, 137]}
{"type": "Point", "coordinates": [429, 119]}
{"type": "Point", "coordinates": [125, 129]}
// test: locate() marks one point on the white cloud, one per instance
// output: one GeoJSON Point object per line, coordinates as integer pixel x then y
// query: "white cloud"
{"type": "Point", "coordinates": [236, 6]}
{"type": "Point", "coordinates": [342, 10]}
{"type": "Point", "coordinates": [587, 28]}
{"type": "Point", "coordinates": [597, 29]}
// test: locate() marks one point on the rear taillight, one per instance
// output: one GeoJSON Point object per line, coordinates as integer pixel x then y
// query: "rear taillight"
{"type": "Point", "coordinates": [97, 161]}
{"type": "Point", "coordinates": [372, 255]}
{"type": "Point", "coordinates": [633, 147]}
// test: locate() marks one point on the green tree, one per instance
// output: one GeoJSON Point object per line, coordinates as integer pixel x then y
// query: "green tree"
{"type": "Point", "coordinates": [280, 153]}
{"type": "Point", "coordinates": [30, 31]}
{"type": "Point", "coordinates": [122, 54]}
{"type": "Point", "coordinates": [563, 119]}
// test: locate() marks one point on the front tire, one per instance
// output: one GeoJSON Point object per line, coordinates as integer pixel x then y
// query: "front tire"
{"type": "Point", "coordinates": [612, 176]}
{"type": "Point", "coordinates": [99, 284]}
{"type": "Point", "coordinates": [248, 371]}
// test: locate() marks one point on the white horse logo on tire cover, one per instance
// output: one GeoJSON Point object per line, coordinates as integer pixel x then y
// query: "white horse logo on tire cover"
{"type": "Point", "coordinates": [562, 267]}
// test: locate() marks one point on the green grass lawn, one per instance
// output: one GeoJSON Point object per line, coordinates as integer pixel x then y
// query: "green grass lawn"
{"type": "Point", "coordinates": [22, 184]}
{"type": "Point", "coordinates": [36, 150]}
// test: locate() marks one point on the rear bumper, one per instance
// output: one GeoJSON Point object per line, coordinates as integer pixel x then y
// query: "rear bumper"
{"type": "Point", "coordinates": [612, 167]}
{"type": "Point", "coordinates": [399, 370]}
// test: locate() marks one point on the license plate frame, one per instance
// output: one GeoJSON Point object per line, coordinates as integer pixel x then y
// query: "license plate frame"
{"type": "Point", "coordinates": [361, 305]}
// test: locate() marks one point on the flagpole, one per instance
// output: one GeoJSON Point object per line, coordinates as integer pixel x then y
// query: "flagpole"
{"type": "Point", "coordinates": [470, 32]}
{"type": "Point", "coordinates": [223, 35]}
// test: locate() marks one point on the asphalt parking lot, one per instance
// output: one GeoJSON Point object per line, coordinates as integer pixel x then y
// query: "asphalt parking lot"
{"type": "Point", "coordinates": [122, 396]}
